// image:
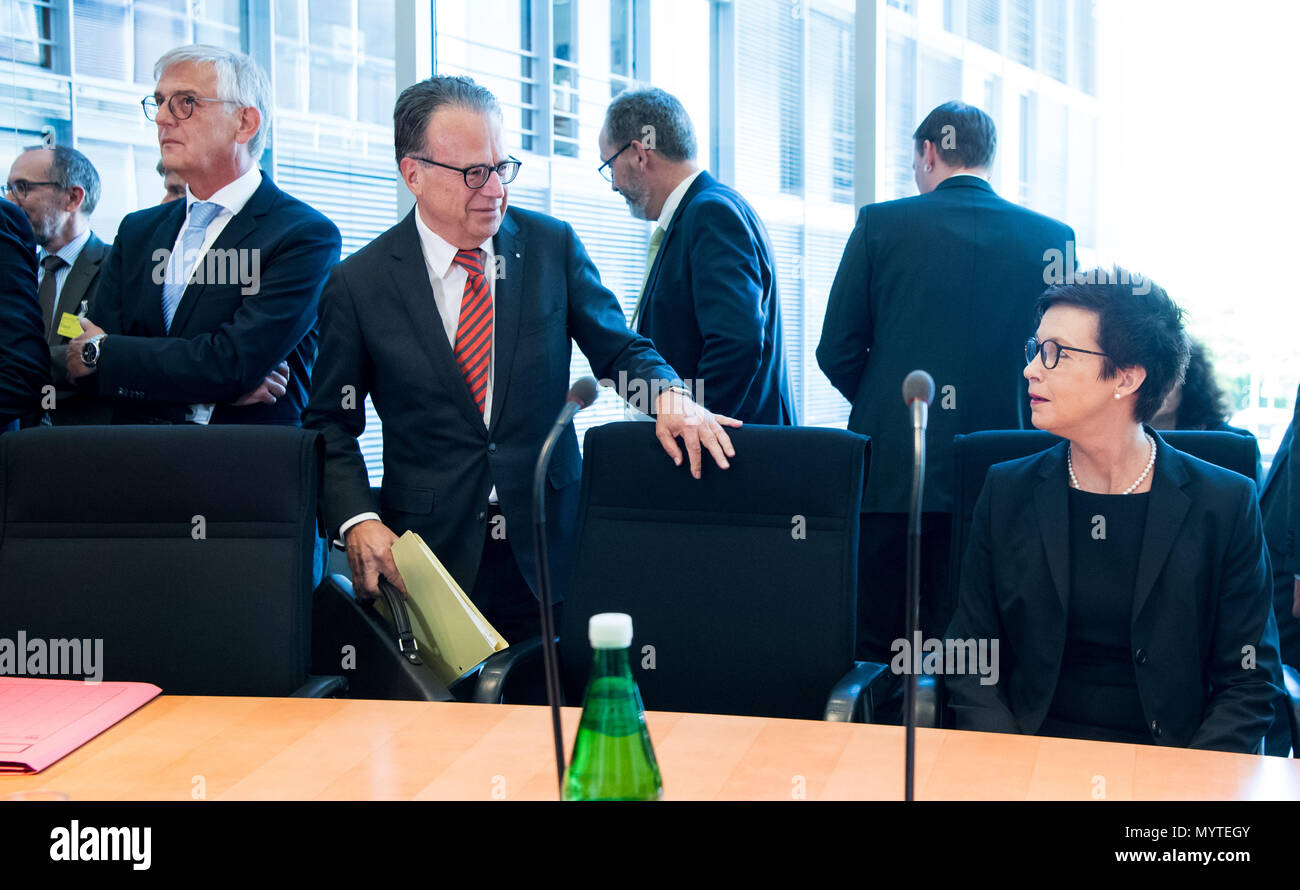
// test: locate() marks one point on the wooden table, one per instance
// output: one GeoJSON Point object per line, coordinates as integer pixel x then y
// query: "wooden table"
{"type": "Point", "coordinates": [182, 748]}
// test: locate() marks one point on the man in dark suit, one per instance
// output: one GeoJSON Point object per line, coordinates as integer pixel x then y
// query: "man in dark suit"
{"type": "Point", "coordinates": [207, 307]}
{"type": "Point", "coordinates": [459, 323]}
{"type": "Point", "coordinates": [58, 189]}
{"type": "Point", "coordinates": [24, 358]}
{"type": "Point", "coordinates": [944, 281]}
{"type": "Point", "coordinates": [709, 300]}
{"type": "Point", "coordinates": [1279, 503]}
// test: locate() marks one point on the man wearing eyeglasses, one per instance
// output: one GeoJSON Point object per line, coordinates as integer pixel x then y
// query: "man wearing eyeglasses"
{"type": "Point", "coordinates": [58, 188]}
{"type": "Point", "coordinates": [944, 281]}
{"type": "Point", "coordinates": [207, 310]}
{"type": "Point", "coordinates": [459, 323]}
{"type": "Point", "coordinates": [709, 299]}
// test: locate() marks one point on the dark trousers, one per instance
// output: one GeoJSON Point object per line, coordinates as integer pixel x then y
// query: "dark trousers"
{"type": "Point", "coordinates": [882, 581]}
{"type": "Point", "coordinates": [509, 605]}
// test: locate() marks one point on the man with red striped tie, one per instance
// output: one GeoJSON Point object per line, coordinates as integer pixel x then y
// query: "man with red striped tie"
{"type": "Point", "coordinates": [459, 323]}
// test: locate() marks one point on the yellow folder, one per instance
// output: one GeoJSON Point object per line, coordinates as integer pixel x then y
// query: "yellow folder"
{"type": "Point", "coordinates": [452, 633]}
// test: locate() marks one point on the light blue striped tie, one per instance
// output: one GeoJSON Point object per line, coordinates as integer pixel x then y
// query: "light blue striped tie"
{"type": "Point", "coordinates": [202, 213]}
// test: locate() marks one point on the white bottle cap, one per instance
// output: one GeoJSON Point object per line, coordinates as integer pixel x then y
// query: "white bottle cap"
{"type": "Point", "coordinates": [610, 630]}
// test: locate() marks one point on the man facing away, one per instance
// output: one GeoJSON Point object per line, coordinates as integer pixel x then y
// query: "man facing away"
{"type": "Point", "coordinates": [709, 299]}
{"type": "Point", "coordinates": [944, 281]}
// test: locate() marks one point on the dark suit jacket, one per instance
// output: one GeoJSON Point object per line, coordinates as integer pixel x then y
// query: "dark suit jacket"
{"type": "Point", "coordinates": [82, 283]}
{"type": "Point", "coordinates": [1279, 503]}
{"type": "Point", "coordinates": [712, 309]}
{"type": "Point", "coordinates": [24, 357]}
{"type": "Point", "coordinates": [945, 282]}
{"type": "Point", "coordinates": [382, 336]}
{"type": "Point", "coordinates": [1203, 592]}
{"type": "Point", "coordinates": [222, 342]}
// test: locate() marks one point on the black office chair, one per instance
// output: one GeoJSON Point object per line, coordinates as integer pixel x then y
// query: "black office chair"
{"type": "Point", "coordinates": [742, 585]}
{"type": "Point", "coordinates": [189, 551]}
{"type": "Point", "coordinates": [976, 452]}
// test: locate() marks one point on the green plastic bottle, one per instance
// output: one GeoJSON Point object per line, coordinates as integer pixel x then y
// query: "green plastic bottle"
{"type": "Point", "coordinates": [612, 756]}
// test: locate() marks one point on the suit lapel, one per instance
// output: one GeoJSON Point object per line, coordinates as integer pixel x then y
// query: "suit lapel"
{"type": "Point", "coordinates": [1166, 509]}
{"type": "Point", "coordinates": [1051, 510]}
{"type": "Point", "coordinates": [83, 272]}
{"type": "Point", "coordinates": [507, 306]}
{"type": "Point", "coordinates": [410, 278]}
{"type": "Point", "coordinates": [240, 226]}
{"type": "Point", "coordinates": [703, 181]}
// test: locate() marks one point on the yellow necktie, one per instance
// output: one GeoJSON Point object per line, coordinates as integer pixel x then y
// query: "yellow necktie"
{"type": "Point", "coordinates": [656, 238]}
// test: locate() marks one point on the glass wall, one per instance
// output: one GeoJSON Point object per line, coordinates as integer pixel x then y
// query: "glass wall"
{"type": "Point", "coordinates": [770, 85]}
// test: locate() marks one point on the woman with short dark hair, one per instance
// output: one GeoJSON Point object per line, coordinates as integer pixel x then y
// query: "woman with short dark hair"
{"type": "Point", "coordinates": [1127, 582]}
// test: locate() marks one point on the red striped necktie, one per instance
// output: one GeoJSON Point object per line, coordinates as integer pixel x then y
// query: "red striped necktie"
{"type": "Point", "coordinates": [474, 329]}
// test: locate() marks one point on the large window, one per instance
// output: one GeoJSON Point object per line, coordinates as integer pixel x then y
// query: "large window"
{"type": "Point", "coordinates": [769, 84]}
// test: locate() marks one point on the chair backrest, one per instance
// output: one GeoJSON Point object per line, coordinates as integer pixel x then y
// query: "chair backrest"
{"type": "Point", "coordinates": [742, 585]}
{"type": "Point", "coordinates": [187, 550]}
{"type": "Point", "coordinates": [976, 452]}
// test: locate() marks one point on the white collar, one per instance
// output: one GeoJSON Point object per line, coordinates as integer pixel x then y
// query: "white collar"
{"type": "Point", "coordinates": [438, 252]}
{"type": "Point", "coordinates": [233, 195]}
{"type": "Point", "coordinates": [68, 252]}
{"type": "Point", "coordinates": [674, 198]}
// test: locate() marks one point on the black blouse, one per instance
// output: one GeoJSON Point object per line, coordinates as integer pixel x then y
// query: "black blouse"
{"type": "Point", "coordinates": [1096, 693]}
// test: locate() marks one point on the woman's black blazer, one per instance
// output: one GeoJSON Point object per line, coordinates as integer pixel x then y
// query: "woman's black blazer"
{"type": "Point", "coordinates": [1204, 641]}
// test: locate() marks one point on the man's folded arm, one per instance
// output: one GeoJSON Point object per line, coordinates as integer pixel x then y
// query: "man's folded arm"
{"type": "Point", "coordinates": [225, 364]}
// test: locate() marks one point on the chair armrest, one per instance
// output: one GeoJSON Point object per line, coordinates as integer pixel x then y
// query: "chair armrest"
{"type": "Point", "coordinates": [851, 698]}
{"type": "Point", "coordinates": [500, 666]}
{"type": "Point", "coordinates": [321, 687]}
{"type": "Point", "coordinates": [929, 690]}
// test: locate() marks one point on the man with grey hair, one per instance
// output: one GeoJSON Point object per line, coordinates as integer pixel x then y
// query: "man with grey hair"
{"type": "Point", "coordinates": [709, 298]}
{"type": "Point", "coordinates": [459, 322]}
{"type": "Point", "coordinates": [58, 187]}
{"type": "Point", "coordinates": [207, 312]}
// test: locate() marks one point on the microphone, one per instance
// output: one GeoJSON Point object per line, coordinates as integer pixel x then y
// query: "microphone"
{"type": "Point", "coordinates": [918, 390]}
{"type": "Point", "coordinates": [580, 396]}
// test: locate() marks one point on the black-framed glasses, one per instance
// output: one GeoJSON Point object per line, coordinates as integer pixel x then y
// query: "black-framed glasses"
{"type": "Point", "coordinates": [1051, 351]}
{"type": "Point", "coordinates": [181, 105]}
{"type": "Point", "coordinates": [21, 187]}
{"type": "Point", "coordinates": [477, 176]}
{"type": "Point", "coordinates": [607, 169]}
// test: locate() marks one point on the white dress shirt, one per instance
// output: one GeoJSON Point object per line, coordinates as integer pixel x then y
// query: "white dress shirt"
{"type": "Point", "coordinates": [448, 282]}
{"type": "Point", "coordinates": [674, 198]}
{"type": "Point", "coordinates": [232, 197]}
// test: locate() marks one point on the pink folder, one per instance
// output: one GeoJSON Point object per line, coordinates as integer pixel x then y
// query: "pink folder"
{"type": "Point", "coordinates": [42, 720]}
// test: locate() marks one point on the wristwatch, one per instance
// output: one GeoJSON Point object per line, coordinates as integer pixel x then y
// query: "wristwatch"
{"type": "Point", "coordinates": [90, 351]}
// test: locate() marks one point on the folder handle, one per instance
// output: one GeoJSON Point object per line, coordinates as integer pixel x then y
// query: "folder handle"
{"type": "Point", "coordinates": [406, 643]}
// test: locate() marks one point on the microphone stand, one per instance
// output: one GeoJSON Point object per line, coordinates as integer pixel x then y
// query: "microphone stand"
{"type": "Point", "coordinates": [550, 657]}
{"type": "Point", "coordinates": [919, 411]}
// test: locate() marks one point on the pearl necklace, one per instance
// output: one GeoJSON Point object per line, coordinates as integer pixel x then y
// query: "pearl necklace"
{"type": "Point", "coordinates": [1074, 481]}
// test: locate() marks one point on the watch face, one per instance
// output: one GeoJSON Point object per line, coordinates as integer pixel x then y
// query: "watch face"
{"type": "Point", "coordinates": [89, 354]}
